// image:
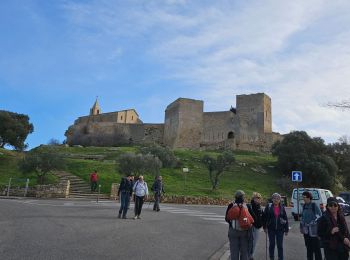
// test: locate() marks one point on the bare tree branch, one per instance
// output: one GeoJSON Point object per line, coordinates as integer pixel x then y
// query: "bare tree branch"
{"type": "Point", "coordinates": [343, 105]}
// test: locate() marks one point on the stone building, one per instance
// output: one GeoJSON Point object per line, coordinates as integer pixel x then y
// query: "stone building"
{"type": "Point", "coordinates": [186, 125]}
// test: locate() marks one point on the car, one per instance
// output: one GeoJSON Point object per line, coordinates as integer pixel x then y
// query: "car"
{"type": "Point", "coordinates": [345, 207]}
{"type": "Point", "coordinates": [345, 195]}
{"type": "Point", "coordinates": [319, 196]}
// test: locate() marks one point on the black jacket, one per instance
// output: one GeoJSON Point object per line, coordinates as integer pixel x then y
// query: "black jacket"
{"type": "Point", "coordinates": [324, 227]}
{"type": "Point", "coordinates": [125, 186]}
{"type": "Point", "coordinates": [158, 187]}
{"type": "Point", "coordinates": [272, 223]}
{"type": "Point", "coordinates": [257, 213]}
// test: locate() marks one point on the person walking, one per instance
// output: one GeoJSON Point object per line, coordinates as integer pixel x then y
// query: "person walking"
{"type": "Point", "coordinates": [275, 223]}
{"type": "Point", "coordinates": [238, 236]}
{"type": "Point", "coordinates": [124, 193]}
{"type": "Point", "coordinates": [158, 189]}
{"type": "Point", "coordinates": [334, 232]}
{"type": "Point", "coordinates": [141, 193]}
{"type": "Point", "coordinates": [311, 212]}
{"type": "Point", "coordinates": [257, 213]}
{"type": "Point", "coordinates": [93, 180]}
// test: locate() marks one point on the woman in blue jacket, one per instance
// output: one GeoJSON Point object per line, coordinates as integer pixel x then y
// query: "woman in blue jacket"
{"type": "Point", "coordinates": [276, 225]}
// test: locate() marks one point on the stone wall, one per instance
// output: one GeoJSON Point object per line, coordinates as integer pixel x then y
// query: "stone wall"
{"type": "Point", "coordinates": [218, 126]}
{"type": "Point", "coordinates": [183, 123]}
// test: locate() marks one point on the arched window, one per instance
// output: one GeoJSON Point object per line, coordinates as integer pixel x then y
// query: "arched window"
{"type": "Point", "coordinates": [230, 135]}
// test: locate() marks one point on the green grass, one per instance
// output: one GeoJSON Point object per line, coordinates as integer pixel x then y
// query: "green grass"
{"type": "Point", "coordinates": [82, 161]}
{"type": "Point", "coordinates": [9, 169]}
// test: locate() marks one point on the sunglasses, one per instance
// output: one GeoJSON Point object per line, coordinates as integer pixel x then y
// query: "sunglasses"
{"type": "Point", "coordinates": [333, 205]}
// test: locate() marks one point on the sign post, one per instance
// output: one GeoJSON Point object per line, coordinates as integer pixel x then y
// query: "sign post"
{"type": "Point", "coordinates": [185, 171]}
{"type": "Point", "coordinates": [297, 176]}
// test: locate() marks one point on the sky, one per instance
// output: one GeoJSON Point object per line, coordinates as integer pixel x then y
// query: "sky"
{"type": "Point", "coordinates": [57, 56]}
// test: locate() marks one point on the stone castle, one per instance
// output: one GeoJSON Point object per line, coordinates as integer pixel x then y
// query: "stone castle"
{"type": "Point", "coordinates": [246, 127]}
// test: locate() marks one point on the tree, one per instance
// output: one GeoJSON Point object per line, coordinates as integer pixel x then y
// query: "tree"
{"type": "Point", "coordinates": [216, 166]}
{"type": "Point", "coordinates": [340, 152]}
{"type": "Point", "coordinates": [14, 129]}
{"type": "Point", "coordinates": [165, 155]}
{"type": "Point", "coordinates": [42, 163]}
{"type": "Point", "coordinates": [298, 151]}
{"type": "Point", "coordinates": [139, 164]}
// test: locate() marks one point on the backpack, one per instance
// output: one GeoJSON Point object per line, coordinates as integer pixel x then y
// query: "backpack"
{"type": "Point", "coordinates": [241, 214]}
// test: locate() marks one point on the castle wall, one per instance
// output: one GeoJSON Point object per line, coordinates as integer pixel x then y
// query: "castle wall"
{"type": "Point", "coordinates": [183, 123]}
{"type": "Point", "coordinates": [248, 127]}
{"type": "Point", "coordinates": [254, 116]}
{"type": "Point", "coordinates": [218, 126]}
{"type": "Point", "coordinates": [111, 134]}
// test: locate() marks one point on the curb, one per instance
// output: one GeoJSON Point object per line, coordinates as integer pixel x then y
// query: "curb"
{"type": "Point", "coordinates": [222, 254]}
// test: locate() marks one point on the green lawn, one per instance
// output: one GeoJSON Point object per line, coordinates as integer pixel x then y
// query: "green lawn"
{"type": "Point", "coordinates": [82, 161]}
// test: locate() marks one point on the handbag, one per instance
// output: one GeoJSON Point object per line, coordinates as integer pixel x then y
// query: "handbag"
{"type": "Point", "coordinates": [303, 228]}
{"type": "Point", "coordinates": [312, 229]}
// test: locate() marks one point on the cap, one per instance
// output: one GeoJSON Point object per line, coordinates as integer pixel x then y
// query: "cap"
{"type": "Point", "coordinates": [239, 194]}
{"type": "Point", "coordinates": [332, 200]}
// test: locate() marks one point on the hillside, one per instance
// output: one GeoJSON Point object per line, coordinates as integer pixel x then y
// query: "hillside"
{"type": "Point", "coordinates": [251, 172]}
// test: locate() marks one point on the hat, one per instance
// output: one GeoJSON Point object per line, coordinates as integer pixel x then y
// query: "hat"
{"type": "Point", "coordinates": [331, 200]}
{"type": "Point", "coordinates": [239, 194]}
{"type": "Point", "coordinates": [276, 196]}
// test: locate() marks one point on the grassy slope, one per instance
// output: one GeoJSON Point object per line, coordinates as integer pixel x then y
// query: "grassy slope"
{"type": "Point", "coordinates": [197, 180]}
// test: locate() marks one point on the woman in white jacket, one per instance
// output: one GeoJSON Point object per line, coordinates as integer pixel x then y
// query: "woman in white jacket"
{"type": "Point", "coordinates": [141, 192]}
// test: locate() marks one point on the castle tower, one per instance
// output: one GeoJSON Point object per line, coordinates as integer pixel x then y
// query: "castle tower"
{"type": "Point", "coordinates": [183, 125]}
{"type": "Point", "coordinates": [254, 115]}
{"type": "Point", "coordinates": [95, 110]}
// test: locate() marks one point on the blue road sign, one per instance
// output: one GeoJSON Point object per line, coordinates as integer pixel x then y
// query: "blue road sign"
{"type": "Point", "coordinates": [297, 176]}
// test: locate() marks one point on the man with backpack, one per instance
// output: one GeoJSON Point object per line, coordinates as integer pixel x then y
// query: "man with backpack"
{"type": "Point", "coordinates": [308, 226]}
{"type": "Point", "coordinates": [240, 223]}
{"type": "Point", "coordinates": [158, 189]}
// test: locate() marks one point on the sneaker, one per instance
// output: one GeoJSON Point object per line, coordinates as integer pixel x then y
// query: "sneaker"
{"type": "Point", "coordinates": [158, 209]}
{"type": "Point", "coordinates": [138, 217]}
{"type": "Point", "coordinates": [124, 217]}
{"type": "Point", "coordinates": [135, 217]}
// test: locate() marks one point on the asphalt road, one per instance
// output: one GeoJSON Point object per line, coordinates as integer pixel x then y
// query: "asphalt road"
{"type": "Point", "coordinates": [73, 229]}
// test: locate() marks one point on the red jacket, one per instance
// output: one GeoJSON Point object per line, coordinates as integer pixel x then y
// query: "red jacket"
{"type": "Point", "coordinates": [93, 176]}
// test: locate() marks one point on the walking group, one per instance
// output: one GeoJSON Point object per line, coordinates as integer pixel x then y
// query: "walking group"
{"type": "Point", "coordinates": [326, 230]}
{"type": "Point", "coordinates": [138, 189]}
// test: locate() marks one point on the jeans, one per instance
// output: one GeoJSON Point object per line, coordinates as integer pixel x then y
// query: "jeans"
{"type": "Point", "coordinates": [238, 244]}
{"type": "Point", "coordinates": [124, 202]}
{"type": "Point", "coordinates": [255, 239]}
{"type": "Point", "coordinates": [93, 185]}
{"type": "Point", "coordinates": [276, 236]}
{"type": "Point", "coordinates": [138, 205]}
{"type": "Point", "coordinates": [312, 247]}
{"type": "Point", "coordinates": [156, 201]}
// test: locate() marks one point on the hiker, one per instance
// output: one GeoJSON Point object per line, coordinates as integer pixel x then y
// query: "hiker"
{"type": "Point", "coordinates": [93, 180]}
{"type": "Point", "coordinates": [334, 232]}
{"type": "Point", "coordinates": [257, 213]}
{"type": "Point", "coordinates": [158, 189]}
{"type": "Point", "coordinates": [308, 226]}
{"type": "Point", "coordinates": [124, 193]}
{"type": "Point", "coordinates": [132, 179]}
{"type": "Point", "coordinates": [240, 223]}
{"type": "Point", "coordinates": [275, 223]}
{"type": "Point", "coordinates": [141, 193]}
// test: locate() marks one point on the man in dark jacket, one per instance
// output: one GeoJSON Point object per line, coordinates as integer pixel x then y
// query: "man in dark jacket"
{"type": "Point", "coordinates": [158, 189]}
{"type": "Point", "coordinates": [124, 193]}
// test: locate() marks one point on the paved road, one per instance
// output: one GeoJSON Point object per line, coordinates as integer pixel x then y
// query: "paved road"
{"type": "Point", "coordinates": [73, 229]}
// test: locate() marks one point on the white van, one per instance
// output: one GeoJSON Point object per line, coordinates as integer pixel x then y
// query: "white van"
{"type": "Point", "coordinates": [319, 196]}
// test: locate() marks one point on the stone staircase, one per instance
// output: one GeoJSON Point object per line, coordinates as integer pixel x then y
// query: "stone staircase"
{"type": "Point", "coordinates": [79, 189]}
